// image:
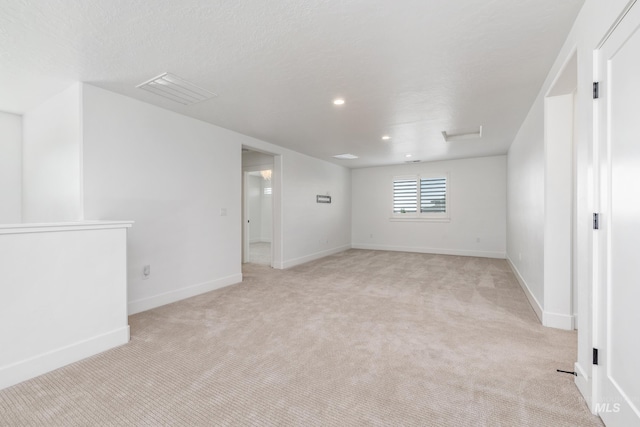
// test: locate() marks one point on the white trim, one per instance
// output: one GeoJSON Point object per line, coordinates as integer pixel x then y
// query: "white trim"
{"type": "Point", "coordinates": [54, 359]}
{"type": "Point", "coordinates": [413, 218]}
{"type": "Point", "coordinates": [62, 226]}
{"type": "Point", "coordinates": [81, 150]}
{"type": "Point", "coordinates": [312, 257]}
{"type": "Point", "coordinates": [440, 251]}
{"type": "Point", "coordinates": [537, 308]}
{"type": "Point", "coordinates": [183, 293]}
{"type": "Point", "coordinates": [615, 24]}
{"type": "Point", "coordinates": [583, 383]}
{"type": "Point", "coordinates": [559, 321]}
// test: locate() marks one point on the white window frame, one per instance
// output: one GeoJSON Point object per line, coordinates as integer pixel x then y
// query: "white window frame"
{"type": "Point", "coordinates": [419, 216]}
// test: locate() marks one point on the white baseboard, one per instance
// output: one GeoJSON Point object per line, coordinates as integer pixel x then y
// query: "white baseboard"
{"type": "Point", "coordinates": [583, 383]}
{"type": "Point", "coordinates": [54, 359]}
{"type": "Point", "coordinates": [182, 293]}
{"type": "Point", "coordinates": [537, 308]}
{"type": "Point", "coordinates": [422, 250]}
{"type": "Point", "coordinates": [559, 321]}
{"type": "Point", "coordinates": [312, 257]}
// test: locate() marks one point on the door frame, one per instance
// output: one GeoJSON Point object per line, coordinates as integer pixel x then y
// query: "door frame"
{"type": "Point", "coordinates": [603, 404]}
{"type": "Point", "coordinates": [277, 245]}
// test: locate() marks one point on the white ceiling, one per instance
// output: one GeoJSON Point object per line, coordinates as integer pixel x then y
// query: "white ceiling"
{"type": "Point", "coordinates": [406, 68]}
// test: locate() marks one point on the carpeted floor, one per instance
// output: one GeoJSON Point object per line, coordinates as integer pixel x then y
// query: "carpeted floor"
{"type": "Point", "coordinates": [358, 338]}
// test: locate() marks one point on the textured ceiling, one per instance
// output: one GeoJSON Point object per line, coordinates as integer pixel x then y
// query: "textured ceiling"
{"type": "Point", "coordinates": [406, 68]}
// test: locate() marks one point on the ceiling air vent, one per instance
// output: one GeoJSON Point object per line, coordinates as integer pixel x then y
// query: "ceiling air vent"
{"type": "Point", "coordinates": [413, 161]}
{"type": "Point", "coordinates": [176, 89]}
{"type": "Point", "coordinates": [345, 156]}
{"type": "Point", "coordinates": [459, 136]}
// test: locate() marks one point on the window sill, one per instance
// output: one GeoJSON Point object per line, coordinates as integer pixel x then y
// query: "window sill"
{"type": "Point", "coordinates": [418, 219]}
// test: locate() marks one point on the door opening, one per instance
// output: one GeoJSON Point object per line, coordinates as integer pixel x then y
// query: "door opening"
{"type": "Point", "coordinates": [258, 207]}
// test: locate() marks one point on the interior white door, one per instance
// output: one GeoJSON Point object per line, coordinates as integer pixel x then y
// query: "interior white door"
{"type": "Point", "coordinates": [246, 229]}
{"type": "Point", "coordinates": [618, 239]}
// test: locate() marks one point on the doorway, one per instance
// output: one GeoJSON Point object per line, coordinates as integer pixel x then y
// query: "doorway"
{"type": "Point", "coordinates": [258, 207]}
{"type": "Point", "coordinates": [259, 215]}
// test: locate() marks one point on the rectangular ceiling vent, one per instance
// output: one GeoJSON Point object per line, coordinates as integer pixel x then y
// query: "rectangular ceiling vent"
{"type": "Point", "coordinates": [346, 156]}
{"type": "Point", "coordinates": [413, 161]}
{"type": "Point", "coordinates": [460, 136]}
{"type": "Point", "coordinates": [176, 89]}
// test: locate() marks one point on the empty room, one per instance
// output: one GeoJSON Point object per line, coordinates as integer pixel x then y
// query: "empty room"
{"type": "Point", "coordinates": [319, 213]}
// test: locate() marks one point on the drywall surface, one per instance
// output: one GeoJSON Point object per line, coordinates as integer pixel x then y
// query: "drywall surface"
{"type": "Point", "coordinates": [525, 166]}
{"type": "Point", "coordinates": [266, 211]}
{"type": "Point", "coordinates": [525, 207]}
{"type": "Point", "coordinates": [558, 211]}
{"type": "Point", "coordinates": [313, 230]}
{"type": "Point", "coordinates": [179, 179]}
{"type": "Point", "coordinates": [255, 161]}
{"type": "Point", "coordinates": [10, 168]}
{"type": "Point", "coordinates": [63, 295]}
{"type": "Point", "coordinates": [51, 164]}
{"type": "Point", "coordinates": [255, 208]}
{"type": "Point", "coordinates": [477, 201]}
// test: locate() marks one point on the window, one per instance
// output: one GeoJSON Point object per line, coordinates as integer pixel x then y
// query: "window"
{"type": "Point", "coordinates": [420, 197]}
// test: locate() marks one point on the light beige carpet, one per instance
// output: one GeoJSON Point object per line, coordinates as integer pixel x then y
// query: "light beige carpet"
{"type": "Point", "coordinates": [359, 338]}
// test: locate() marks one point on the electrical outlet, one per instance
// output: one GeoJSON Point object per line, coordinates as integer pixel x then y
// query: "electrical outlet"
{"type": "Point", "coordinates": [146, 271]}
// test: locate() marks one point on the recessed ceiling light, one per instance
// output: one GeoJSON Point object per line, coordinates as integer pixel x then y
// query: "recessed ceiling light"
{"type": "Point", "coordinates": [407, 155]}
{"type": "Point", "coordinates": [176, 89]}
{"type": "Point", "coordinates": [386, 137]}
{"type": "Point", "coordinates": [462, 135]}
{"type": "Point", "coordinates": [338, 101]}
{"type": "Point", "coordinates": [345, 156]}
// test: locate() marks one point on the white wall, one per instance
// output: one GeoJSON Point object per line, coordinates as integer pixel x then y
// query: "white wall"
{"type": "Point", "coordinates": [255, 161]}
{"type": "Point", "coordinates": [525, 206]}
{"type": "Point", "coordinates": [255, 208]}
{"type": "Point", "coordinates": [172, 175]}
{"type": "Point", "coordinates": [63, 295]}
{"type": "Point", "coordinates": [10, 168]}
{"type": "Point", "coordinates": [558, 207]}
{"type": "Point", "coordinates": [313, 230]}
{"type": "Point", "coordinates": [526, 175]}
{"type": "Point", "coordinates": [51, 174]}
{"type": "Point", "coordinates": [266, 211]}
{"type": "Point", "coordinates": [477, 200]}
